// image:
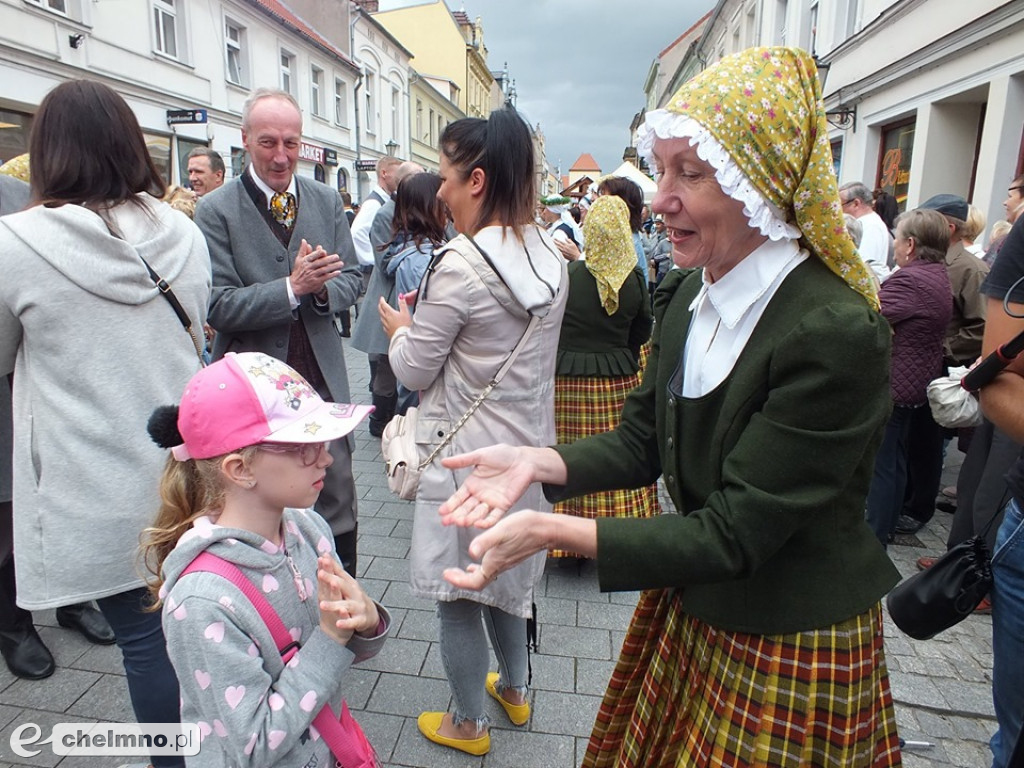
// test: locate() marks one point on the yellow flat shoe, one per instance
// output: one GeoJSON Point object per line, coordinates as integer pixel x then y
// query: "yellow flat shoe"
{"type": "Point", "coordinates": [517, 713]}
{"type": "Point", "coordinates": [430, 722]}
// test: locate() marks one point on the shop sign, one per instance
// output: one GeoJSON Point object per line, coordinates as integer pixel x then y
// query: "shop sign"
{"type": "Point", "coordinates": [177, 116]}
{"type": "Point", "coordinates": [311, 153]}
{"type": "Point", "coordinates": [366, 165]}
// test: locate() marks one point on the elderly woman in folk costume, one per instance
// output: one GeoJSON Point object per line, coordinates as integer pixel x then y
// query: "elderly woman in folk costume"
{"type": "Point", "coordinates": [607, 320]}
{"type": "Point", "coordinates": [759, 638]}
{"type": "Point", "coordinates": [562, 227]}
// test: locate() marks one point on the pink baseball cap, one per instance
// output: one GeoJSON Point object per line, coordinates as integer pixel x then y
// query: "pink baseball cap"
{"type": "Point", "coordinates": [248, 398]}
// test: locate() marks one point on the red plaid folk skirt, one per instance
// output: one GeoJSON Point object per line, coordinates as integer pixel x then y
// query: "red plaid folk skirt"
{"type": "Point", "coordinates": [686, 694]}
{"type": "Point", "coordinates": [586, 406]}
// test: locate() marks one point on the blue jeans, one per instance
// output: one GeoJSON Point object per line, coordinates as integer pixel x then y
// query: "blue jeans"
{"type": "Point", "coordinates": [889, 480]}
{"type": "Point", "coordinates": [1008, 633]}
{"type": "Point", "coordinates": [465, 657]}
{"type": "Point", "coordinates": [152, 684]}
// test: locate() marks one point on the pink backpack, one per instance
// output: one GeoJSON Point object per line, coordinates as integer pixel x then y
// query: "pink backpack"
{"type": "Point", "coordinates": [342, 734]}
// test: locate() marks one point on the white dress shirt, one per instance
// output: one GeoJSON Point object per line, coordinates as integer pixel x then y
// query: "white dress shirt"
{"type": "Point", "coordinates": [269, 193]}
{"type": "Point", "coordinates": [874, 245]}
{"type": "Point", "coordinates": [726, 312]}
{"type": "Point", "coordinates": [361, 226]}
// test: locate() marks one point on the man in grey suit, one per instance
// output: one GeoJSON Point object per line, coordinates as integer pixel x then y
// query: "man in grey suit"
{"type": "Point", "coordinates": [283, 267]}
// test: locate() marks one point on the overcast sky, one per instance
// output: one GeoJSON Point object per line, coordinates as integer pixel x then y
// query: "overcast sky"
{"type": "Point", "coordinates": [579, 65]}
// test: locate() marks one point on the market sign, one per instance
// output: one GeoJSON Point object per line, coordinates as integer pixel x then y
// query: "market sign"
{"type": "Point", "coordinates": [311, 153]}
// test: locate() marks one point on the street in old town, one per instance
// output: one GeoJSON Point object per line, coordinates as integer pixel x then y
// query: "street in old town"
{"type": "Point", "coordinates": [942, 687]}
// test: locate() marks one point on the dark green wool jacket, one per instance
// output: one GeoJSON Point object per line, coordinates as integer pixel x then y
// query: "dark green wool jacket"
{"type": "Point", "coordinates": [594, 343]}
{"type": "Point", "coordinates": [769, 471]}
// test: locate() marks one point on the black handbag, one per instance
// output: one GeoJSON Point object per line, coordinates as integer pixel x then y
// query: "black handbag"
{"type": "Point", "coordinates": [944, 594]}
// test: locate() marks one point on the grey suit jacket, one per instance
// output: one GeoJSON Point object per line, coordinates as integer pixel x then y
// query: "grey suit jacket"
{"type": "Point", "coordinates": [368, 334]}
{"type": "Point", "coordinates": [249, 306]}
{"type": "Point", "coordinates": [14, 195]}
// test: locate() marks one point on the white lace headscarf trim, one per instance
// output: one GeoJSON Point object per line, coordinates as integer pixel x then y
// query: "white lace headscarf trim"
{"type": "Point", "coordinates": [761, 215]}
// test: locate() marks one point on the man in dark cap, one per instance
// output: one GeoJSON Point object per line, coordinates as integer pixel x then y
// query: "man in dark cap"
{"type": "Point", "coordinates": [962, 346]}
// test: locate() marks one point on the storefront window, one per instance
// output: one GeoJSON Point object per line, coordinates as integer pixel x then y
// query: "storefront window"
{"type": "Point", "coordinates": [160, 150]}
{"type": "Point", "coordinates": [342, 180]}
{"type": "Point", "coordinates": [897, 150]}
{"type": "Point", "coordinates": [14, 131]}
{"type": "Point", "coordinates": [319, 174]}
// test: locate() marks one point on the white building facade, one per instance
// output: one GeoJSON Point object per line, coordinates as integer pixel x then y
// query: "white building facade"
{"type": "Point", "coordinates": [924, 96]}
{"type": "Point", "coordinates": [183, 60]}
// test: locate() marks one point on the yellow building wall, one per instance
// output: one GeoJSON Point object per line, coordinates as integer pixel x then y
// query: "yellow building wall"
{"type": "Point", "coordinates": [430, 32]}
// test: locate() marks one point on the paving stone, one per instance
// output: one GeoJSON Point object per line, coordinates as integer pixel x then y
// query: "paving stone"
{"type": "Point", "coordinates": [916, 691]}
{"type": "Point", "coordinates": [419, 625]}
{"type": "Point", "coordinates": [592, 676]}
{"type": "Point", "coordinates": [375, 526]}
{"type": "Point", "coordinates": [384, 546]}
{"type": "Point", "coordinates": [971, 699]}
{"type": "Point", "coordinates": [45, 720]}
{"type": "Point", "coordinates": [400, 595]}
{"type": "Point", "coordinates": [432, 664]}
{"type": "Point", "coordinates": [553, 673]}
{"type": "Point", "coordinates": [402, 657]}
{"type": "Point", "coordinates": [555, 610]}
{"type": "Point", "coordinates": [575, 641]}
{"type": "Point", "coordinates": [407, 696]}
{"type": "Point", "coordinates": [382, 730]}
{"type": "Point", "coordinates": [7, 714]}
{"type": "Point", "coordinates": [564, 713]}
{"type": "Point", "coordinates": [390, 568]}
{"type": "Point", "coordinates": [414, 751]}
{"type": "Point", "coordinates": [515, 749]}
{"type": "Point", "coordinates": [106, 701]}
{"type": "Point", "coordinates": [399, 510]}
{"type": "Point", "coordinates": [54, 694]}
{"type": "Point", "coordinates": [558, 584]}
{"type": "Point", "coordinates": [358, 686]}
{"type": "Point", "coordinates": [600, 616]}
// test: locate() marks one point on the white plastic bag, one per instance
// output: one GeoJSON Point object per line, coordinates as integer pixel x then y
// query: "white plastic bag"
{"type": "Point", "coordinates": [952, 405]}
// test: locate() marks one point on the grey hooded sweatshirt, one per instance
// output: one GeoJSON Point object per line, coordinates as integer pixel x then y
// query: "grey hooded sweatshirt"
{"type": "Point", "coordinates": [94, 348]}
{"type": "Point", "coordinates": [252, 709]}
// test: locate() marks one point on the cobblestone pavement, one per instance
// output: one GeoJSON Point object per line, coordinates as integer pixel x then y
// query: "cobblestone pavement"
{"type": "Point", "coordinates": [942, 687]}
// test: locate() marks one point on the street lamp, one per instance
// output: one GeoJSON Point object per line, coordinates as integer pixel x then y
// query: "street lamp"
{"type": "Point", "coordinates": [391, 147]}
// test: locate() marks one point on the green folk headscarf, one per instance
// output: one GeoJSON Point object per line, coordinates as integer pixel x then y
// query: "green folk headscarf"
{"type": "Point", "coordinates": [763, 105]}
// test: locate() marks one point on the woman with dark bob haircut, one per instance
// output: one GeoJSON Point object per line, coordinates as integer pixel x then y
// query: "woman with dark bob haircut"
{"type": "Point", "coordinates": [80, 312]}
{"type": "Point", "coordinates": [498, 285]}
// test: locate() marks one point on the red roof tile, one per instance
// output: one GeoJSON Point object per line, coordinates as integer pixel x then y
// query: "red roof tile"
{"type": "Point", "coordinates": [282, 13]}
{"type": "Point", "coordinates": [585, 162]}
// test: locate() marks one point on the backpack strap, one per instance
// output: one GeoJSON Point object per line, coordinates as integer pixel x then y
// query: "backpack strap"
{"type": "Point", "coordinates": [326, 722]}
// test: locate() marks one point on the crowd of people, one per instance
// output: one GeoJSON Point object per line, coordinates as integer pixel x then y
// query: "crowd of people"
{"type": "Point", "coordinates": [757, 336]}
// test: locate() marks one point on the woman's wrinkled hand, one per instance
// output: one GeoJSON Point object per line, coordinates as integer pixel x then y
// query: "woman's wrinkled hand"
{"type": "Point", "coordinates": [507, 544]}
{"type": "Point", "coordinates": [501, 474]}
{"type": "Point", "coordinates": [393, 319]}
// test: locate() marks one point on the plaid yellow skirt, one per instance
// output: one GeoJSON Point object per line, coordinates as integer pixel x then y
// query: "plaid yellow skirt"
{"type": "Point", "coordinates": [685, 694]}
{"type": "Point", "coordinates": [586, 406]}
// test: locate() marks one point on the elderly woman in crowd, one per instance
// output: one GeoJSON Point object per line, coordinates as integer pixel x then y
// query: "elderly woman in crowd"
{"type": "Point", "coordinates": [918, 303]}
{"type": "Point", "coordinates": [759, 638]}
{"type": "Point", "coordinates": [607, 320]}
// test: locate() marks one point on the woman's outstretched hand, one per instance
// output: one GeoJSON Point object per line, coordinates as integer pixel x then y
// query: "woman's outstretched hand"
{"type": "Point", "coordinates": [501, 475]}
{"type": "Point", "coordinates": [507, 544]}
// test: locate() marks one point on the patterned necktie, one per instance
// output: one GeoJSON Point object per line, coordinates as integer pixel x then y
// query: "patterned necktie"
{"type": "Point", "coordinates": [282, 205]}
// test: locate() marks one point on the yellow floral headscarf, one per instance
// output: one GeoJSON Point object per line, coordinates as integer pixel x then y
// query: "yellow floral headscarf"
{"type": "Point", "coordinates": [16, 167]}
{"type": "Point", "coordinates": [610, 253]}
{"type": "Point", "coordinates": [763, 107]}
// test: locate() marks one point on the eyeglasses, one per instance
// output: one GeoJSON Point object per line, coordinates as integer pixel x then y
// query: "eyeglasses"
{"type": "Point", "coordinates": [1018, 188]}
{"type": "Point", "coordinates": [846, 202]}
{"type": "Point", "coordinates": [309, 453]}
